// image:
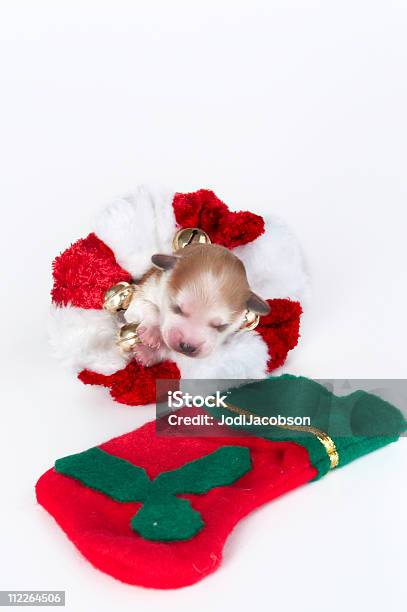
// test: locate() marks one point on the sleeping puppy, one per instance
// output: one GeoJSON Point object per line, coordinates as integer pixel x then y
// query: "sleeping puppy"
{"type": "Point", "coordinates": [191, 302]}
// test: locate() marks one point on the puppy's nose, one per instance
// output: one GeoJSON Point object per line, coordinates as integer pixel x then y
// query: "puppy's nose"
{"type": "Point", "coordinates": [187, 349]}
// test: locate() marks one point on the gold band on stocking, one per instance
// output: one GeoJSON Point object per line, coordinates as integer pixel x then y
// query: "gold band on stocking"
{"type": "Point", "coordinates": [326, 441]}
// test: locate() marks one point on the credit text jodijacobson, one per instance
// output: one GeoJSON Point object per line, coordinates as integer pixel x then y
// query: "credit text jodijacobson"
{"type": "Point", "coordinates": [238, 420]}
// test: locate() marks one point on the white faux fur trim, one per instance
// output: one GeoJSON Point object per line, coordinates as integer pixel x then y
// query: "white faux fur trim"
{"type": "Point", "coordinates": [85, 339]}
{"type": "Point", "coordinates": [137, 226]}
{"type": "Point", "coordinates": [274, 263]}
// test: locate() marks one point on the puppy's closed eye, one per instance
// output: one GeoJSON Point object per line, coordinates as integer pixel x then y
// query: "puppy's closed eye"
{"type": "Point", "coordinates": [176, 309]}
{"type": "Point", "coordinates": [221, 327]}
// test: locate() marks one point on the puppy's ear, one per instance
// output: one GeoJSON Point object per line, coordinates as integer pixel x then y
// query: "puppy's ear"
{"type": "Point", "coordinates": [257, 304]}
{"type": "Point", "coordinates": [164, 262]}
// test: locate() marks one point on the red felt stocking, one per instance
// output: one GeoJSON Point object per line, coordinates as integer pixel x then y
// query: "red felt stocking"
{"type": "Point", "coordinates": [101, 527]}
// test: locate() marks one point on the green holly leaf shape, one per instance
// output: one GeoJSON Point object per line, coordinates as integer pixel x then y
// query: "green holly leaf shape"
{"type": "Point", "coordinates": [163, 516]}
{"type": "Point", "coordinates": [167, 520]}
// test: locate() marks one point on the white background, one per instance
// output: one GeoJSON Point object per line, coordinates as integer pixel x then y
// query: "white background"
{"type": "Point", "coordinates": [294, 107]}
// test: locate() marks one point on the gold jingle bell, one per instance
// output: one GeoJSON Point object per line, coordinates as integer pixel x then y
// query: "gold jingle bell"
{"type": "Point", "coordinates": [128, 337]}
{"type": "Point", "coordinates": [251, 320]}
{"type": "Point", "coordinates": [189, 235]}
{"type": "Point", "coordinates": [118, 297]}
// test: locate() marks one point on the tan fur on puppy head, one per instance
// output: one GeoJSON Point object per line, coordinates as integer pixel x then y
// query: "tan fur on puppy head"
{"type": "Point", "coordinates": [204, 299]}
{"type": "Point", "coordinates": [211, 273]}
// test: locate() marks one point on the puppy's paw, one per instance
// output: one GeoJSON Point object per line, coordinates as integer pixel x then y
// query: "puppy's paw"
{"type": "Point", "coordinates": [146, 356]}
{"type": "Point", "coordinates": [150, 335]}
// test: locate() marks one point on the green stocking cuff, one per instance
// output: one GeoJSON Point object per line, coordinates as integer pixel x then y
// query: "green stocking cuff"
{"type": "Point", "coordinates": [357, 423]}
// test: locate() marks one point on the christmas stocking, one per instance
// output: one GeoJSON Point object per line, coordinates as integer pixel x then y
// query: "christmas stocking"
{"type": "Point", "coordinates": [155, 510]}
